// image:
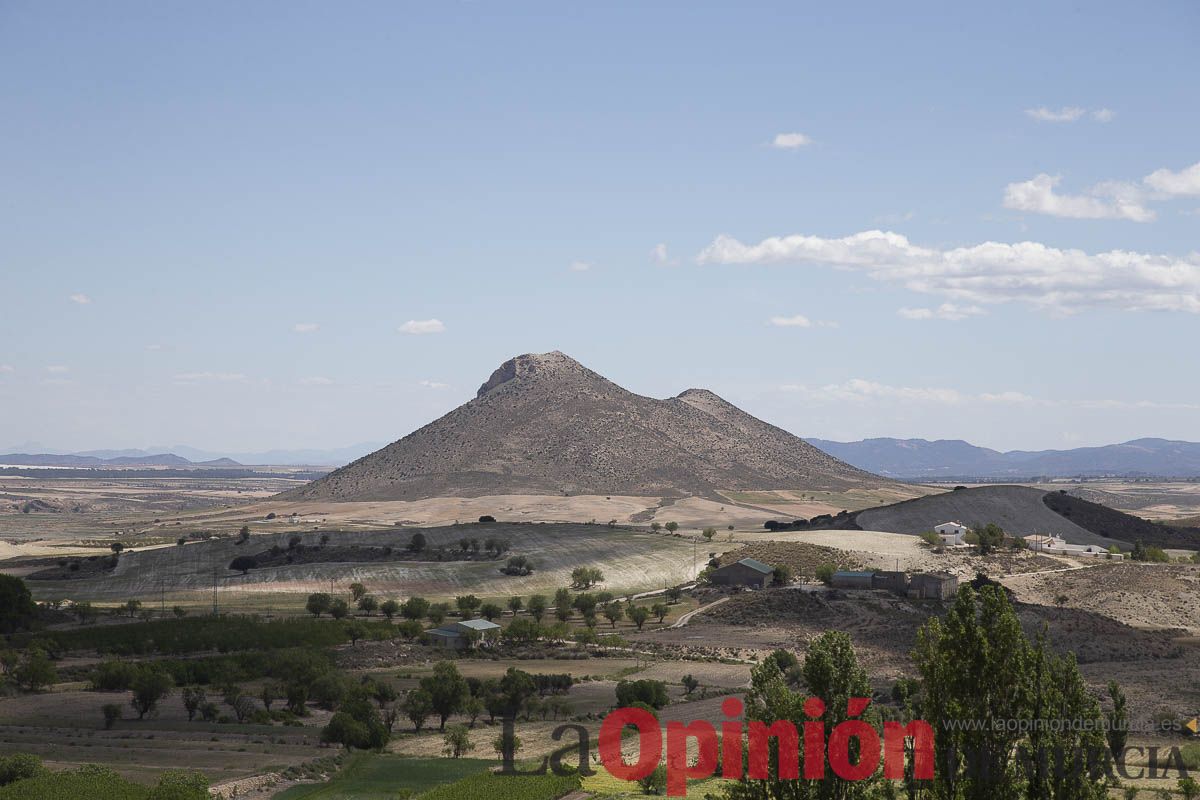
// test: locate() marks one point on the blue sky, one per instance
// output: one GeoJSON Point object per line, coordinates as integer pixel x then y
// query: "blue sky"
{"type": "Point", "coordinates": [217, 220]}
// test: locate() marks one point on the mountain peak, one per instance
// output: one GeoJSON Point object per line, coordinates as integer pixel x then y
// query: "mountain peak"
{"type": "Point", "coordinates": [532, 365]}
{"type": "Point", "coordinates": [545, 424]}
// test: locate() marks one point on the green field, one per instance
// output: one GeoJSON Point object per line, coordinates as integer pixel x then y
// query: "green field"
{"type": "Point", "coordinates": [368, 776]}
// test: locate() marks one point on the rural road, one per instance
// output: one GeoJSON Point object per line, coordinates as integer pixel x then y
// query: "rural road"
{"type": "Point", "coordinates": [686, 618]}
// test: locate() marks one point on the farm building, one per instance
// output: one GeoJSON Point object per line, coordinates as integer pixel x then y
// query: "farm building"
{"type": "Point", "coordinates": [891, 581]}
{"type": "Point", "coordinates": [1059, 547]}
{"type": "Point", "coordinates": [933, 586]}
{"type": "Point", "coordinates": [951, 533]}
{"type": "Point", "coordinates": [852, 580]}
{"type": "Point", "coordinates": [746, 572]}
{"type": "Point", "coordinates": [462, 634]}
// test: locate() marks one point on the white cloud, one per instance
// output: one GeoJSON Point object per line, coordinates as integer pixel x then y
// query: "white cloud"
{"type": "Point", "coordinates": [433, 384]}
{"type": "Point", "coordinates": [80, 298]}
{"type": "Point", "coordinates": [799, 321]}
{"type": "Point", "coordinates": [154, 347]}
{"type": "Point", "coordinates": [316, 380]}
{"type": "Point", "coordinates": [1184, 182]}
{"type": "Point", "coordinates": [210, 377]}
{"type": "Point", "coordinates": [579, 266]}
{"type": "Point", "coordinates": [419, 327]}
{"type": "Point", "coordinates": [58, 369]}
{"type": "Point", "coordinates": [1008, 398]}
{"type": "Point", "coordinates": [1047, 278]}
{"type": "Point", "coordinates": [862, 392]}
{"type": "Point", "coordinates": [6, 368]}
{"type": "Point", "coordinates": [1104, 115]}
{"type": "Point", "coordinates": [1111, 200]}
{"type": "Point", "coordinates": [306, 327]}
{"type": "Point", "coordinates": [947, 311]}
{"type": "Point", "coordinates": [659, 255]}
{"type": "Point", "coordinates": [790, 141]}
{"type": "Point", "coordinates": [1064, 114]}
{"type": "Point", "coordinates": [858, 390]}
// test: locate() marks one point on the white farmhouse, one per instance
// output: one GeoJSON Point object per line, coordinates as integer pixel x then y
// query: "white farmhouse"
{"type": "Point", "coordinates": [951, 533]}
{"type": "Point", "coordinates": [1055, 545]}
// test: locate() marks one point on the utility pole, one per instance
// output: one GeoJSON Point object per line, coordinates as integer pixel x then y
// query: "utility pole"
{"type": "Point", "coordinates": [215, 610]}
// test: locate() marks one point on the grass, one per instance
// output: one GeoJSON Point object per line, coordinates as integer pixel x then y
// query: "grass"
{"type": "Point", "coordinates": [490, 786]}
{"type": "Point", "coordinates": [370, 776]}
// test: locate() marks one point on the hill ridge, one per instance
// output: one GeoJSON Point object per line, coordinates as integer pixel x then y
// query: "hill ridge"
{"type": "Point", "coordinates": [542, 423]}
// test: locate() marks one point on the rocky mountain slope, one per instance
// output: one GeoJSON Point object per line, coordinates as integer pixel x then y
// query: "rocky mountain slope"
{"type": "Point", "coordinates": [545, 424]}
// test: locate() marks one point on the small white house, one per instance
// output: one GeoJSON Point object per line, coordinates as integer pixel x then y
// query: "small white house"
{"type": "Point", "coordinates": [951, 533]}
{"type": "Point", "coordinates": [1058, 546]}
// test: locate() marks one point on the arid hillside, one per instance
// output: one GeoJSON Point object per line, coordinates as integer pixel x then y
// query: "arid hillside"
{"type": "Point", "coordinates": [545, 424]}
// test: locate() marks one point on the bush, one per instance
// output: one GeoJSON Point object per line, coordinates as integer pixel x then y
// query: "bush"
{"type": "Point", "coordinates": [20, 766]}
{"type": "Point", "coordinates": [824, 573]}
{"type": "Point", "coordinates": [652, 693]}
{"type": "Point", "coordinates": [655, 782]}
{"type": "Point", "coordinates": [487, 518]}
{"type": "Point", "coordinates": [931, 538]}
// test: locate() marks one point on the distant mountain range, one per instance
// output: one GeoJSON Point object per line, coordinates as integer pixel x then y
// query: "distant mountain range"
{"type": "Point", "coordinates": [30, 454]}
{"type": "Point", "coordinates": [916, 459]}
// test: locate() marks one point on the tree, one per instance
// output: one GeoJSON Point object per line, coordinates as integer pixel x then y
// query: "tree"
{"type": "Point", "coordinates": [417, 543]}
{"type": "Point", "coordinates": [355, 631]}
{"type": "Point", "coordinates": [977, 663]}
{"type": "Point", "coordinates": [437, 612]}
{"type": "Point", "coordinates": [447, 690]}
{"type": "Point", "coordinates": [660, 611]}
{"type": "Point", "coordinates": [116, 547]}
{"type": "Point", "coordinates": [674, 594]}
{"type": "Point", "coordinates": [318, 603]}
{"type": "Point", "coordinates": [269, 693]}
{"type": "Point", "coordinates": [490, 611]}
{"type": "Point", "coordinates": [824, 573]}
{"type": "Point", "coordinates": [486, 518]}
{"type": "Point", "coordinates": [193, 698]}
{"type": "Point", "coordinates": [991, 537]}
{"type": "Point", "coordinates": [709, 533]}
{"type": "Point", "coordinates": [563, 604]}
{"type": "Point", "coordinates": [832, 673]}
{"type": "Point", "coordinates": [457, 741]}
{"type": "Point", "coordinates": [243, 534]}
{"type": "Point", "coordinates": [389, 608]}
{"type": "Point", "coordinates": [515, 604]}
{"type": "Point", "coordinates": [149, 687]}
{"type": "Point", "coordinates": [415, 608]}
{"type": "Point", "coordinates": [17, 609]}
{"type": "Point", "coordinates": [131, 607]}
{"type": "Point", "coordinates": [650, 692]}
{"type": "Point", "coordinates": [345, 730]}
{"type": "Point", "coordinates": [613, 612]}
{"type": "Point", "coordinates": [368, 603]}
{"type": "Point", "coordinates": [690, 684]}
{"type": "Point", "coordinates": [467, 604]}
{"type": "Point", "coordinates": [35, 671]}
{"type": "Point", "coordinates": [537, 607]}
{"type": "Point", "coordinates": [112, 713]}
{"type": "Point", "coordinates": [357, 591]}
{"type": "Point", "coordinates": [243, 564]}
{"type": "Point", "coordinates": [338, 608]}
{"type": "Point", "coordinates": [418, 705]}
{"type": "Point", "coordinates": [656, 526]}
{"type": "Point", "coordinates": [1117, 729]}
{"type": "Point", "coordinates": [586, 577]}
{"type": "Point", "coordinates": [672, 527]}
{"type": "Point", "coordinates": [324, 540]}
{"type": "Point", "coordinates": [782, 575]}
{"type": "Point", "coordinates": [638, 615]}
{"type": "Point", "coordinates": [179, 611]}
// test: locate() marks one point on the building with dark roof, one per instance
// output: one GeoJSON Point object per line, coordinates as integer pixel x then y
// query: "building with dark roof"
{"type": "Point", "coordinates": [747, 572]}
